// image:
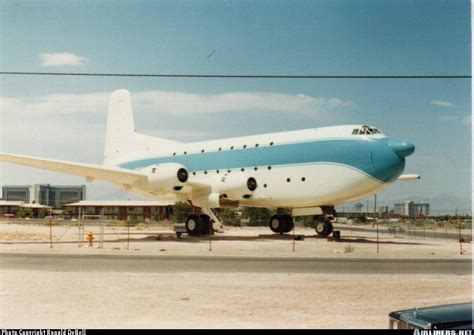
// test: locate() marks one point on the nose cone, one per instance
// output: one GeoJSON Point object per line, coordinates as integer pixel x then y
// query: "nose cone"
{"type": "Point", "coordinates": [402, 149]}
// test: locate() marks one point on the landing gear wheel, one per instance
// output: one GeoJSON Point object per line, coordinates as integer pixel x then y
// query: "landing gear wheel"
{"type": "Point", "coordinates": [324, 228]}
{"type": "Point", "coordinates": [289, 223]}
{"type": "Point", "coordinates": [206, 225]}
{"type": "Point", "coordinates": [281, 223]}
{"type": "Point", "coordinates": [193, 225]}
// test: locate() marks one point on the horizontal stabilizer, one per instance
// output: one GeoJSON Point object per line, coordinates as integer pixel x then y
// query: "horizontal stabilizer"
{"type": "Point", "coordinates": [409, 177]}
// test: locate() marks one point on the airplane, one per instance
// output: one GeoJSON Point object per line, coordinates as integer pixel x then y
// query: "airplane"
{"type": "Point", "coordinates": [306, 171]}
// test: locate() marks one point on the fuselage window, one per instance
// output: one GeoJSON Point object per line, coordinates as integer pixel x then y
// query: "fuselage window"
{"type": "Point", "coordinates": [220, 149]}
{"type": "Point", "coordinates": [288, 179]}
{"type": "Point", "coordinates": [271, 143]}
{"type": "Point", "coordinates": [217, 171]}
{"type": "Point", "coordinates": [202, 150]}
{"type": "Point", "coordinates": [269, 167]}
{"type": "Point", "coordinates": [355, 132]}
{"type": "Point", "coordinates": [242, 169]}
{"type": "Point", "coordinates": [265, 185]}
{"type": "Point", "coordinates": [174, 153]}
{"type": "Point", "coordinates": [256, 145]}
{"type": "Point", "coordinates": [205, 172]}
{"type": "Point", "coordinates": [185, 152]}
{"type": "Point", "coordinates": [228, 171]}
{"type": "Point", "coordinates": [194, 173]}
{"type": "Point", "coordinates": [232, 148]}
{"type": "Point", "coordinates": [245, 146]}
{"type": "Point", "coordinates": [255, 168]}
{"type": "Point", "coordinates": [303, 179]}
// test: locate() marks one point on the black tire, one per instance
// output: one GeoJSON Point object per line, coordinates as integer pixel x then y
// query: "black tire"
{"type": "Point", "coordinates": [289, 224]}
{"type": "Point", "coordinates": [276, 223]}
{"type": "Point", "coordinates": [206, 225]}
{"type": "Point", "coordinates": [324, 228]}
{"type": "Point", "coordinates": [193, 225]}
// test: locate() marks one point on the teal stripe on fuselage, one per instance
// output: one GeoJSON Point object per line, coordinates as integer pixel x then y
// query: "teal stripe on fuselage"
{"type": "Point", "coordinates": [373, 157]}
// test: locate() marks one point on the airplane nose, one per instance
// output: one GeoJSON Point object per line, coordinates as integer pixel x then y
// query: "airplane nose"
{"type": "Point", "coordinates": [402, 149]}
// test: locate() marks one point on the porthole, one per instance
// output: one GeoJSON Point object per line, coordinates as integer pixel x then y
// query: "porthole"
{"type": "Point", "coordinates": [242, 169]}
{"type": "Point", "coordinates": [265, 185]}
{"type": "Point", "coordinates": [256, 145]}
{"type": "Point", "coordinates": [232, 148]}
{"type": "Point", "coordinates": [220, 149]}
{"type": "Point", "coordinates": [255, 168]}
{"type": "Point", "coordinates": [194, 173]}
{"type": "Point", "coordinates": [228, 171]}
{"type": "Point", "coordinates": [217, 171]}
{"type": "Point", "coordinates": [288, 179]}
{"type": "Point", "coordinates": [271, 143]}
{"type": "Point", "coordinates": [202, 150]}
{"type": "Point", "coordinates": [303, 179]}
{"type": "Point", "coordinates": [185, 152]}
{"type": "Point", "coordinates": [205, 172]}
{"type": "Point", "coordinates": [269, 167]}
{"type": "Point", "coordinates": [245, 146]}
{"type": "Point", "coordinates": [174, 153]}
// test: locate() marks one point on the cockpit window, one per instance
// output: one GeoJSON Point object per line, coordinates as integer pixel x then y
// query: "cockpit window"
{"type": "Point", "coordinates": [366, 130]}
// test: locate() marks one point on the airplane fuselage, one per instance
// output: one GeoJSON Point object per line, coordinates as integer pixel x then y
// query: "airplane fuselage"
{"type": "Point", "coordinates": [304, 168]}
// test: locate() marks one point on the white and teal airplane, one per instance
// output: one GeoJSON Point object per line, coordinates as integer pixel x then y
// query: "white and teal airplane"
{"type": "Point", "coordinates": [308, 171]}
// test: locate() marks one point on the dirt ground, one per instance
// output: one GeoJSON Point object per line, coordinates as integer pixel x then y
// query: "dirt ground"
{"type": "Point", "coordinates": [226, 300]}
{"type": "Point", "coordinates": [248, 241]}
{"type": "Point", "coordinates": [44, 299]}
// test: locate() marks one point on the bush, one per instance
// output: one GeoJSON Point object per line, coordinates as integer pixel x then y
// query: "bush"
{"type": "Point", "coordinates": [256, 216]}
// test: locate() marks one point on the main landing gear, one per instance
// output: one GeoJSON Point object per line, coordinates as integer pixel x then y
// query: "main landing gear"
{"type": "Point", "coordinates": [281, 223]}
{"type": "Point", "coordinates": [324, 226]}
{"type": "Point", "coordinates": [199, 225]}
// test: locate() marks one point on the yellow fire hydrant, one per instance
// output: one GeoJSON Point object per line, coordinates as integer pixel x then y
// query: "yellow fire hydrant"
{"type": "Point", "coordinates": [90, 238]}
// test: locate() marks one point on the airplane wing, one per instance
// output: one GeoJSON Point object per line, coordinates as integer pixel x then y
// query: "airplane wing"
{"type": "Point", "coordinates": [115, 176]}
{"type": "Point", "coordinates": [409, 177]}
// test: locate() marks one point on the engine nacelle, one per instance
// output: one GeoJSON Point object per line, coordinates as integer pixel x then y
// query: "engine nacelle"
{"type": "Point", "coordinates": [236, 186]}
{"type": "Point", "coordinates": [166, 177]}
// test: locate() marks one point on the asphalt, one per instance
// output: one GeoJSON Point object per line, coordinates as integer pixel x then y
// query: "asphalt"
{"type": "Point", "coordinates": [161, 263]}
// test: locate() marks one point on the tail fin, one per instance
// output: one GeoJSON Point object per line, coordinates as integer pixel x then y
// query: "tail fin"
{"type": "Point", "coordinates": [121, 138]}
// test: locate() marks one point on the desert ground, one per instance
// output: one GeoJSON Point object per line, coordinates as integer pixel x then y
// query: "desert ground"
{"type": "Point", "coordinates": [42, 297]}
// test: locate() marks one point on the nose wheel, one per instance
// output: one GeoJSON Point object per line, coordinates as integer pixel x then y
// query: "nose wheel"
{"type": "Point", "coordinates": [281, 223]}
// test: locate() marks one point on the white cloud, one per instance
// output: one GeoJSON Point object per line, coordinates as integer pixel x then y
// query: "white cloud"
{"type": "Point", "coordinates": [61, 58]}
{"type": "Point", "coordinates": [178, 103]}
{"type": "Point", "coordinates": [441, 103]}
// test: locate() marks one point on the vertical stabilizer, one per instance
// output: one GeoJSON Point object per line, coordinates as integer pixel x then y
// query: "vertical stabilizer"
{"type": "Point", "coordinates": [121, 138]}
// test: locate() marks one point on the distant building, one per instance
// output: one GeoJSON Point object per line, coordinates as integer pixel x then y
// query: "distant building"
{"type": "Point", "coordinates": [412, 209]}
{"type": "Point", "coordinates": [122, 210]}
{"type": "Point", "coordinates": [11, 208]}
{"type": "Point", "coordinates": [49, 195]}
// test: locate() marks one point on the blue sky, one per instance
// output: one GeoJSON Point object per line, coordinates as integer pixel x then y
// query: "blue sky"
{"type": "Point", "coordinates": [249, 37]}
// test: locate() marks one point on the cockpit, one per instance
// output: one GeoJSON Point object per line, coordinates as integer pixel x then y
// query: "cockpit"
{"type": "Point", "coordinates": [366, 130]}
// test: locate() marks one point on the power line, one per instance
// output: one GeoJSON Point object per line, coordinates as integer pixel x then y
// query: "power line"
{"type": "Point", "coordinates": [233, 76]}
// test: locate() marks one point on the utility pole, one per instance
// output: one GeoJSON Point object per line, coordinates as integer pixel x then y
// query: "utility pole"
{"type": "Point", "coordinates": [376, 222]}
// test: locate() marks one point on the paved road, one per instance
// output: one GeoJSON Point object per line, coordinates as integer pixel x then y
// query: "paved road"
{"type": "Point", "coordinates": [159, 263]}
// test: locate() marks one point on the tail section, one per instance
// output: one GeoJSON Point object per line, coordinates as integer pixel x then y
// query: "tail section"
{"type": "Point", "coordinates": [121, 139]}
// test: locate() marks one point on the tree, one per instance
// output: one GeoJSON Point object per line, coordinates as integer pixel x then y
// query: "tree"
{"type": "Point", "coordinates": [181, 210]}
{"type": "Point", "coordinates": [25, 212]}
{"type": "Point", "coordinates": [257, 216]}
{"type": "Point", "coordinates": [229, 217]}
